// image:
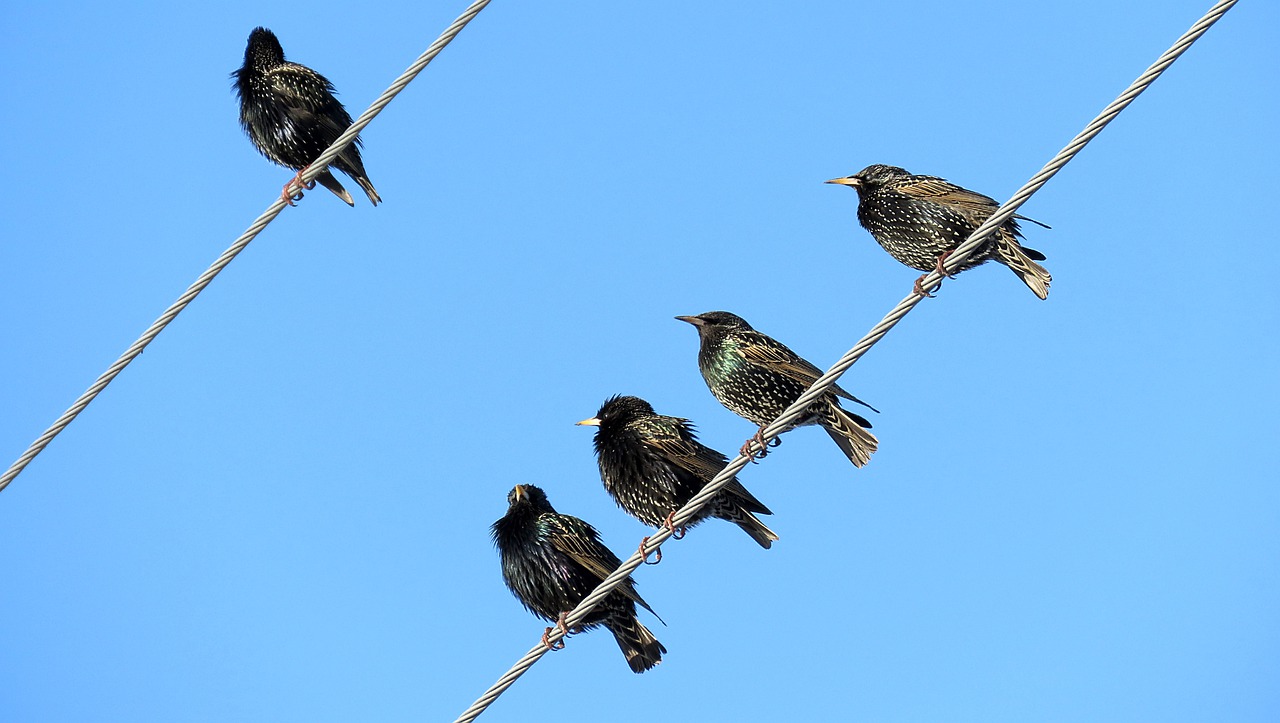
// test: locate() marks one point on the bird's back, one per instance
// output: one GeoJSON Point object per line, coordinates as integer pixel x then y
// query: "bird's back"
{"type": "Point", "coordinates": [917, 218]}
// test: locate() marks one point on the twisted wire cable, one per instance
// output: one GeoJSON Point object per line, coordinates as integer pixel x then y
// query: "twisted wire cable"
{"type": "Point", "coordinates": [317, 166]}
{"type": "Point", "coordinates": [824, 382]}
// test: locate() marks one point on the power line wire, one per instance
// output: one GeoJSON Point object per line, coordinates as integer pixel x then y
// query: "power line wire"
{"type": "Point", "coordinates": [823, 383]}
{"type": "Point", "coordinates": [315, 169]}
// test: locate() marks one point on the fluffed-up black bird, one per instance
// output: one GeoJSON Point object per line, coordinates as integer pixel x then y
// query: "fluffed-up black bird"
{"type": "Point", "coordinates": [652, 465]}
{"type": "Point", "coordinates": [289, 112]}
{"type": "Point", "coordinates": [757, 378]}
{"type": "Point", "coordinates": [551, 561]}
{"type": "Point", "coordinates": [920, 220]}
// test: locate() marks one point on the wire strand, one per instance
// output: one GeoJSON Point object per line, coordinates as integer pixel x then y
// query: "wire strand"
{"type": "Point", "coordinates": [823, 383]}
{"type": "Point", "coordinates": [315, 169]}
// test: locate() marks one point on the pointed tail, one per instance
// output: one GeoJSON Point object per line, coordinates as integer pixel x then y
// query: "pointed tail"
{"type": "Point", "coordinates": [754, 527]}
{"type": "Point", "coordinates": [368, 189]}
{"type": "Point", "coordinates": [857, 443]}
{"type": "Point", "coordinates": [327, 180]}
{"type": "Point", "coordinates": [736, 504]}
{"type": "Point", "coordinates": [1035, 276]}
{"type": "Point", "coordinates": [642, 650]}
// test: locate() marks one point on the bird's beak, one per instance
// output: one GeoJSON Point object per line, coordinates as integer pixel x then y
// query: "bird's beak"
{"type": "Point", "coordinates": [847, 181]}
{"type": "Point", "coordinates": [520, 493]}
{"type": "Point", "coordinates": [593, 422]}
{"type": "Point", "coordinates": [692, 320]}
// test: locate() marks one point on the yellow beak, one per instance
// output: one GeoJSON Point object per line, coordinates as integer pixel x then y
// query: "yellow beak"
{"type": "Point", "coordinates": [593, 422]}
{"type": "Point", "coordinates": [849, 181]}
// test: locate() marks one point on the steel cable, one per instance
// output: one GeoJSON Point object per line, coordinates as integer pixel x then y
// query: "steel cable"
{"type": "Point", "coordinates": [823, 383]}
{"type": "Point", "coordinates": [317, 166]}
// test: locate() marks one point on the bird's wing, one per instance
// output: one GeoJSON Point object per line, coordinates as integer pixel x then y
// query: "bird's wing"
{"type": "Point", "coordinates": [764, 351]}
{"type": "Point", "coordinates": [299, 87]}
{"type": "Point", "coordinates": [771, 354]}
{"type": "Point", "coordinates": [937, 189]}
{"type": "Point", "coordinates": [582, 544]}
{"type": "Point", "coordinates": [307, 97]}
{"type": "Point", "coordinates": [947, 194]}
{"type": "Point", "coordinates": [683, 450]}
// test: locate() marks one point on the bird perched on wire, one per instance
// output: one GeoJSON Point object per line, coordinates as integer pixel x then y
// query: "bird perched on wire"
{"type": "Point", "coordinates": [757, 378]}
{"type": "Point", "coordinates": [289, 112]}
{"type": "Point", "coordinates": [550, 562]}
{"type": "Point", "coordinates": [652, 465]}
{"type": "Point", "coordinates": [920, 220]}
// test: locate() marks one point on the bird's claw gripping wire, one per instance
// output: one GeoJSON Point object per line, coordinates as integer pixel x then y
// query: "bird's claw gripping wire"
{"type": "Point", "coordinates": [758, 439]}
{"type": "Point", "coordinates": [942, 270]}
{"type": "Point", "coordinates": [677, 533]}
{"type": "Point", "coordinates": [919, 290]}
{"type": "Point", "coordinates": [291, 196]}
{"type": "Point", "coordinates": [559, 644]}
{"type": "Point", "coordinates": [644, 556]}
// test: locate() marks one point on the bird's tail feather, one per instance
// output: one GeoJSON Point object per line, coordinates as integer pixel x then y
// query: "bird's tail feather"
{"type": "Point", "coordinates": [368, 189]}
{"type": "Point", "coordinates": [754, 527]}
{"type": "Point", "coordinates": [857, 443]}
{"type": "Point", "coordinates": [1035, 276]}
{"type": "Point", "coordinates": [327, 180]}
{"type": "Point", "coordinates": [642, 650]}
{"type": "Point", "coordinates": [740, 515]}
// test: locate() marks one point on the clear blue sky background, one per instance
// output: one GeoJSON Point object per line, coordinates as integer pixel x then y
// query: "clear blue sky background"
{"type": "Point", "coordinates": [280, 512]}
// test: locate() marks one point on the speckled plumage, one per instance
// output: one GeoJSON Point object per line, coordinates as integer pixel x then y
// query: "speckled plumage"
{"type": "Point", "coordinates": [652, 465]}
{"type": "Point", "coordinates": [550, 562]}
{"type": "Point", "coordinates": [757, 378]}
{"type": "Point", "coordinates": [289, 112]}
{"type": "Point", "coordinates": [919, 218]}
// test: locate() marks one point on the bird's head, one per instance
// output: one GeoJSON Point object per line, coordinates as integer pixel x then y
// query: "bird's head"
{"type": "Point", "coordinates": [716, 322]}
{"type": "Point", "coordinates": [263, 51]}
{"type": "Point", "coordinates": [618, 409]}
{"type": "Point", "coordinates": [871, 177]}
{"type": "Point", "coordinates": [528, 495]}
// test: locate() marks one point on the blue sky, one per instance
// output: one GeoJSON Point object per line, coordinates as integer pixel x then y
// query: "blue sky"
{"type": "Point", "coordinates": [280, 511]}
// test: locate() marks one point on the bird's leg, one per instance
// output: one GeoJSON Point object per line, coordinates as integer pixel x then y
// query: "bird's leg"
{"type": "Point", "coordinates": [919, 290]}
{"type": "Point", "coordinates": [677, 533]}
{"type": "Point", "coordinates": [942, 270]}
{"type": "Point", "coordinates": [290, 196]}
{"type": "Point", "coordinates": [747, 452]}
{"type": "Point", "coordinates": [559, 644]}
{"type": "Point", "coordinates": [644, 556]}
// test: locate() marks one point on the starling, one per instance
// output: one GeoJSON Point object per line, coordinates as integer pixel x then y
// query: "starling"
{"type": "Point", "coordinates": [550, 562]}
{"type": "Point", "coordinates": [653, 465]}
{"type": "Point", "coordinates": [757, 378]}
{"type": "Point", "coordinates": [289, 112]}
{"type": "Point", "coordinates": [920, 220]}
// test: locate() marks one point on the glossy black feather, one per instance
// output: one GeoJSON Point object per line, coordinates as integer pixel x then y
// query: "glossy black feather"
{"type": "Point", "coordinates": [653, 464]}
{"type": "Point", "coordinates": [757, 378]}
{"type": "Point", "coordinates": [918, 218]}
{"type": "Point", "coordinates": [290, 113]}
{"type": "Point", "coordinates": [550, 562]}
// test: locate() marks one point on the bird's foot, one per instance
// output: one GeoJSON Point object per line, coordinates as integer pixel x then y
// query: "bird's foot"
{"type": "Point", "coordinates": [942, 270]}
{"type": "Point", "coordinates": [559, 644]}
{"type": "Point", "coordinates": [758, 439]}
{"type": "Point", "coordinates": [289, 195]}
{"type": "Point", "coordinates": [644, 556]}
{"type": "Point", "coordinates": [677, 533]}
{"type": "Point", "coordinates": [919, 290]}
